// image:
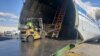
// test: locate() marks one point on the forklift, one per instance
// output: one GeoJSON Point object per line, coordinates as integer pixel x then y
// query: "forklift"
{"type": "Point", "coordinates": [32, 30]}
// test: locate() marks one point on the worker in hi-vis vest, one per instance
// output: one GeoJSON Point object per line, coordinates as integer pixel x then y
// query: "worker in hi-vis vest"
{"type": "Point", "coordinates": [30, 25]}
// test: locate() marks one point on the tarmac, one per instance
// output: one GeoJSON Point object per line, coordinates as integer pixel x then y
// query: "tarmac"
{"type": "Point", "coordinates": [41, 47]}
{"type": "Point", "coordinates": [46, 47]}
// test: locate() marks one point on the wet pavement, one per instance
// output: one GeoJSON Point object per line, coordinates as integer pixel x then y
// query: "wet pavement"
{"type": "Point", "coordinates": [42, 47]}
{"type": "Point", "coordinates": [10, 48]}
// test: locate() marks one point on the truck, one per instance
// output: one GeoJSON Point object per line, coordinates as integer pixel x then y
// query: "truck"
{"type": "Point", "coordinates": [32, 30]}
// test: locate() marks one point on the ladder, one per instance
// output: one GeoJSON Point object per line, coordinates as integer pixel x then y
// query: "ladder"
{"type": "Point", "coordinates": [58, 20]}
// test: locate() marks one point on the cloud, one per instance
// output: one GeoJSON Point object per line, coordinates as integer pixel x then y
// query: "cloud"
{"type": "Point", "coordinates": [10, 15]}
{"type": "Point", "coordinates": [10, 20]}
{"type": "Point", "coordinates": [2, 19]}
